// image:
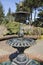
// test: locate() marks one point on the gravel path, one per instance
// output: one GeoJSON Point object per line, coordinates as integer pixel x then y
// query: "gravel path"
{"type": "Point", "coordinates": [3, 30]}
{"type": "Point", "coordinates": [36, 51]}
{"type": "Point", "coordinates": [5, 51]}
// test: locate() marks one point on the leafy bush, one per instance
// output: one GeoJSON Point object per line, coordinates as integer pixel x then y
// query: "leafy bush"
{"type": "Point", "coordinates": [13, 27]}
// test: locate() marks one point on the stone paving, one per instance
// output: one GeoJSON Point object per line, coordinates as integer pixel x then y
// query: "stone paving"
{"type": "Point", "coordinates": [5, 51]}
{"type": "Point", "coordinates": [36, 51]}
{"type": "Point", "coordinates": [3, 30]}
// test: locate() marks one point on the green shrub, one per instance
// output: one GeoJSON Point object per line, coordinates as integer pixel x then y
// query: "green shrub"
{"type": "Point", "coordinates": [13, 27]}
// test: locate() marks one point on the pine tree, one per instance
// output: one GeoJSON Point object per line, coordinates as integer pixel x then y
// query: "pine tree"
{"type": "Point", "coordinates": [9, 15]}
{"type": "Point", "coordinates": [1, 13]}
{"type": "Point", "coordinates": [9, 12]}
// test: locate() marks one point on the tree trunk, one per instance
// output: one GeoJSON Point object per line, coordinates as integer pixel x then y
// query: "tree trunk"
{"type": "Point", "coordinates": [35, 14]}
{"type": "Point", "coordinates": [31, 15]}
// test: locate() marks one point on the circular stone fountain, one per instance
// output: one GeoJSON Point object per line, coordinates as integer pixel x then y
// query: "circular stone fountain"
{"type": "Point", "coordinates": [21, 43]}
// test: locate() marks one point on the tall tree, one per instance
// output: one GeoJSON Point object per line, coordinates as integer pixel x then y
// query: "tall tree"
{"type": "Point", "coordinates": [17, 7]}
{"type": "Point", "coordinates": [39, 21]}
{"type": "Point", "coordinates": [1, 13]}
{"type": "Point", "coordinates": [33, 4]}
{"type": "Point", "coordinates": [37, 4]}
{"type": "Point", "coordinates": [9, 16]}
{"type": "Point", "coordinates": [29, 5]}
{"type": "Point", "coordinates": [9, 12]}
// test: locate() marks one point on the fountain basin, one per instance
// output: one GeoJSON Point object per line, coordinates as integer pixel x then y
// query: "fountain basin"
{"type": "Point", "coordinates": [21, 43]}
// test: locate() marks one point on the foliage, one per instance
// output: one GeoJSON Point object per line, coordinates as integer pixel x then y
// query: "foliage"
{"type": "Point", "coordinates": [9, 12]}
{"type": "Point", "coordinates": [13, 27]}
{"type": "Point", "coordinates": [5, 21]}
{"type": "Point", "coordinates": [39, 21]}
{"type": "Point", "coordinates": [1, 13]}
{"type": "Point", "coordinates": [40, 14]}
{"type": "Point", "coordinates": [32, 4]}
{"type": "Point", "coordinates": [9, 16]}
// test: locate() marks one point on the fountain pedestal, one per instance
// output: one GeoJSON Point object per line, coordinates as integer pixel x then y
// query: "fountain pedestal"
{"type": "Point", "coordinates": [21, 59]}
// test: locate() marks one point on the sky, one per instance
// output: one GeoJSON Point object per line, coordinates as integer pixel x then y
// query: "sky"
{"type": "Point", "coordinates": [9, 4]}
